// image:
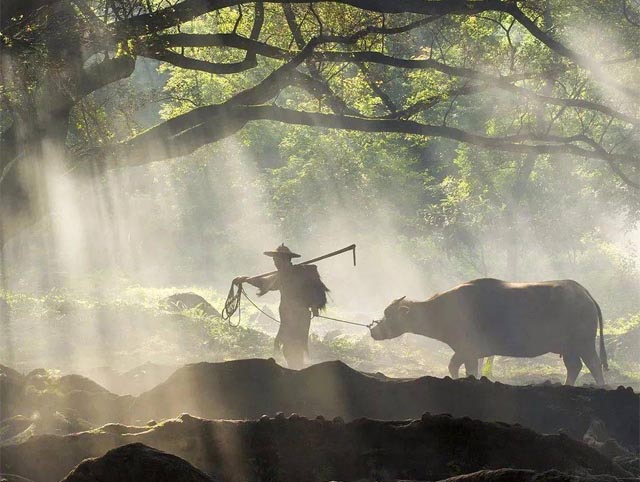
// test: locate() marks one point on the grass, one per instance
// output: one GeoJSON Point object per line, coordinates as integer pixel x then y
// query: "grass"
{"type": "Point", "coordinates": [621, 326]}
{"type": "Point", "coordinates": [125, 327]}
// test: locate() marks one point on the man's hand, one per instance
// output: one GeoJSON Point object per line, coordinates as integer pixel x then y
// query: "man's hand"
{"type": "Point", "coordinates": [240, 279]}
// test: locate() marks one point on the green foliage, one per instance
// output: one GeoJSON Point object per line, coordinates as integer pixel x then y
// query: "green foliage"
{"type": "Point", "coordinates": [131, 330]}
{"type": "Point", "coordinates": [466, 211]}
{"type": "Point", "coordinates": [487, 368]}
{"type": "Point", "coordinates": [622, 326]}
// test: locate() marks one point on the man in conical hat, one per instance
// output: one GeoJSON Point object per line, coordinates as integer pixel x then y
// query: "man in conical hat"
{"type": "Point", "coordinates": [302, 294]}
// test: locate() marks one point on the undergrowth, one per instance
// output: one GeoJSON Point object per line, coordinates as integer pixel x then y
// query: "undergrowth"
{"type": "Point", "coordinates": [75, 331]}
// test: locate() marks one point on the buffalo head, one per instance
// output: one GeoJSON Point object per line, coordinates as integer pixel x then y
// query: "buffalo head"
{"type": "Point", "coordinates": [395, 321]}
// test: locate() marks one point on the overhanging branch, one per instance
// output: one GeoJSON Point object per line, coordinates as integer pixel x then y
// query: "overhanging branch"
{"type": "Point", "coordinates": [181, 135]}
{"type": "Point", "coordinates": [190, 63]}
{"type": "Point", "coordinates": [552, 144]}
{"type": "Point", "coordinates": [189, 9]}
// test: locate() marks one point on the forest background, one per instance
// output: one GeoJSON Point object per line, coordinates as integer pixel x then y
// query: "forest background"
{"type": "Point", "coordinates": [528, 171]}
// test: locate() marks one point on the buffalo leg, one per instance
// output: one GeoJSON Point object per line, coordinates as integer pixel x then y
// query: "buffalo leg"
{"type": "Point", "coordinates": [574, 365]}
{"type": "Point", "coordinates": [455, 364]}
{"type": "Point", "coordinates": [591, 359]}
{"type": "Point", "coordinates": [471, 367]}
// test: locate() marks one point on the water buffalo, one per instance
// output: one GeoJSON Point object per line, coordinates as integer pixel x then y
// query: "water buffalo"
{"type": "Point", "coordinates": [486, 317]}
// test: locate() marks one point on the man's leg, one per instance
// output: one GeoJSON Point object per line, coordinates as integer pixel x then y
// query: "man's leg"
{"type": "Point", "coordinates": [294, 333]}
{"type": "Point", "coordinates": [294, 355]}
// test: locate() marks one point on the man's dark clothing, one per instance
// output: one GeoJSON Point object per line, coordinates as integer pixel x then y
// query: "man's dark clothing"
{"type": "Point", "coordinates": [302, 293]}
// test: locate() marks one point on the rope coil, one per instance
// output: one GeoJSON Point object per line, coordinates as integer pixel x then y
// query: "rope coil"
{"type": "Point", "coordinates": [232, 304]}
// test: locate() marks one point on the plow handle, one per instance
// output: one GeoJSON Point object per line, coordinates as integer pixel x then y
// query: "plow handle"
{"type": "Point", "coordinates": [351, 247]}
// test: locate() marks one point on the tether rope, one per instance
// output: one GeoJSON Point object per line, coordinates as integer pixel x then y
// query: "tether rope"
{"type": "Point", "coordinates": [257, 308]}
{"type": "Point", "coordinates": [233, 304]}
{"type": "Point", "coordinates": [369, 325]}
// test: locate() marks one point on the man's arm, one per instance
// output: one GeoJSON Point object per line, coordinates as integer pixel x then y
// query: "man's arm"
{"type": "Point", "coordinates": [264, 284]}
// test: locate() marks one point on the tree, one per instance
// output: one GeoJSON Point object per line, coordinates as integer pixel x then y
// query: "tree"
{"type": "Point", "coordinates": [495, 74]}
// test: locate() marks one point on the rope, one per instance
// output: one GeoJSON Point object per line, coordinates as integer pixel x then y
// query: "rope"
{"type": "Point", "coordinates": [370, 325]}
{"type": "Point", "coordinates": [257, 308]}
{"type": "Point", "coordinates": [233, 304]}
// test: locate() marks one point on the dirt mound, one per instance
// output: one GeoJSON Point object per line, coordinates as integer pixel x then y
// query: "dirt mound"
{"type": "Point", "coordinates": [11, 428]}
{"type": "Point", "coordinates": [136, 462]}
{"type": "Point", "coordinates": [58, 404]}
{"type": "Point", "coordinates": [298, 449]}
{"type": "Point", "coordinates": [19, 429]}
{"type": "Point", "coordinates": [41, 379]}
{"type": "Point", "coordinates": [132, 382]}
{"type": "Point", "coordinates": [228, 391]}
{"type": "Point", "coordinates": [180, 302]}
{"type": "Point", "coordinates": [11, 391]}
{"type": "Point", "coordinates": [247, 389]}
{"type": "Point", "coordinates": [515, 475]}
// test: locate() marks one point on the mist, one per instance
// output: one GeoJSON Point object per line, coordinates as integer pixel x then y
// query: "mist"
{"type": "Point", "coordinates": [482, 157]}
{"type": "Point", "coordinates": [114, 247]}
{"type": "Point", "coordinates": [426, 214]}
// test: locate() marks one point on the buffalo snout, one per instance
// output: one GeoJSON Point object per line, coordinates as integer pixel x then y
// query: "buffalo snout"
{"type": "Point", "coordinates": [378, 332]}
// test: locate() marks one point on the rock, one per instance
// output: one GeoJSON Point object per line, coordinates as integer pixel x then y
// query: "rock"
{"type": "Point", "coordinates": [598, 437]}
{"type": "Point", "coordinates": [179, 302]}
{"type": "Point", "coordinates": [135, 463]}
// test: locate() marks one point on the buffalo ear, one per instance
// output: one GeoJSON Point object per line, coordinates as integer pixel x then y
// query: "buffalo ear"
{"type": "Point", "coordinates": [400, 299]}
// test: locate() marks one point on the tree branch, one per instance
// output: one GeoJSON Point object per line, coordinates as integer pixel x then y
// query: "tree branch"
{"type": "Point", "coordinates": [549, 144]}
{"type": "Point", "coordinates": [190, 9]}
{"type": "Point", "coordinates": [20, 9]}
{"type": "Point", "coordinates": [583, 61]}
{"type": "Point", "coordinates": [184, 134]}
{"type": "Point", "coordinates": [231, 40]}
{"type": "Point", "coordinates": [103, 73]}
{"type": "Point", "coordinates": [321, 91]}
{"type": "Point", "coordinates": [189, 63]}
{"type": "Point", "coordinates": [498, 82]}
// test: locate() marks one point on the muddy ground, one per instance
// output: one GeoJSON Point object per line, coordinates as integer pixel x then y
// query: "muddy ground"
{"type": "Point", "coordinates": [300, 449]}
{"type": "Point", "coordinates": [50, 424]}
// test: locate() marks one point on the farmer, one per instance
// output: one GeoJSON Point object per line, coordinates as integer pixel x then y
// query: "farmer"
{"type": "Point", "coordinates": [302, 294]}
